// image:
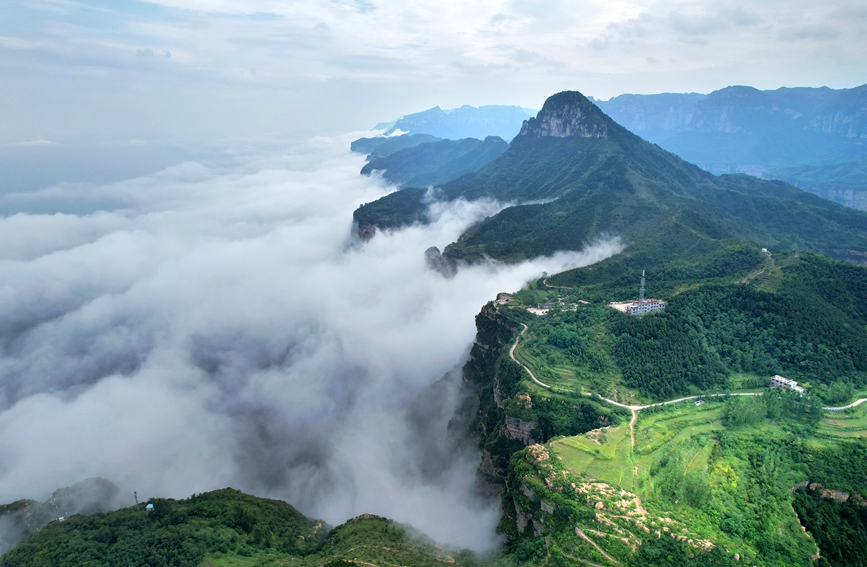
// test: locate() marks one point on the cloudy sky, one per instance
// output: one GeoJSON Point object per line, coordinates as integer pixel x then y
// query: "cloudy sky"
{"type": "Point", "coordinates": [212, 68]}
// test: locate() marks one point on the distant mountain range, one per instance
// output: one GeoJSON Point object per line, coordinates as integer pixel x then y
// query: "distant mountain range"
{"type": "Point", "coordinates": [724, 482]}
{"type": "Point", "coordinates": [434, 163]}
{"type": "Point", "coordinates": [598, 178]}
{"type": "Point", "coordinates": [813, 137]}
{"type": "Point", "coordinates": [464, 122]}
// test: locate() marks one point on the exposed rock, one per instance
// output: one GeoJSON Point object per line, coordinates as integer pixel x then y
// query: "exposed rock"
{"type": "Point", "coordinates": [527, 492]}
{"type": "Point", "coordinates": [547, 507]}
{"type": "Point", "coordinates": [565, 115]}
{"type": "Point", "coordinates": [519, 430]}
{"type": "Point", "coordinates": [488, 467]}
{"type": "Point", "coordinates": [366, 231]}
{"type": "Point", "coordinates": [600, 506]}
{"type": "Point", "coordinates": [521, 519]}
{"type": "Point", "coordinates": [439, 263]}
{"type": "Point", "coordinates": [834, 495]}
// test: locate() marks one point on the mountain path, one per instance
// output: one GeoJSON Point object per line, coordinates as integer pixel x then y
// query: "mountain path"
{"type": "Point", "coordinates": [530, 372]}
{"type": "Point", "coordinates": [585, 537]}
{"type": "Point", "coordinates": [636, 409]}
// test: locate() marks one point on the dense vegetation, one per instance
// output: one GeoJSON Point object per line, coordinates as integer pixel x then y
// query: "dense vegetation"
{"type": "Point", "coordinates": [437, 162]}
{"type": "Point", "coordinates": [799, 315]}
{"type": "Point", "coordinates": [775, 133]}
{"type": "Point", "coordinates": [382, 146]}
{"type": "Point", "coordinates": [226, 528]}
{"type": "Point", "coordinates": [845, 183]}
{"type": "Point", "coordinates": [662, 207]}
{"type": "Point", "coordinates": [840, 529]}
{"type": "Point", "coordinates": [177, 533]}
{"type": "Point", "coordinates": [722, 471]}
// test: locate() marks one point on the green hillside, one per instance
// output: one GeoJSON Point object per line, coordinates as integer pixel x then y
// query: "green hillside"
{"type": "Point", "coordinates": [226, 528]}
{"type": "Point", "coordinates": [437, 162]}
{"type": "Point", "coordinates": [701, 480]}
{"type": "Point", "coordinates": [594, 178]}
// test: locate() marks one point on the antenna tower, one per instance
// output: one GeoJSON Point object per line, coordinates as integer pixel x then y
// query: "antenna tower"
{"type": "Point", "coordinates": [641, 293]}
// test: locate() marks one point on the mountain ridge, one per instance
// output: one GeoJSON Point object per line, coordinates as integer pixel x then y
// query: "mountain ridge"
{"type": "Point", "coordinates": [600, 178]}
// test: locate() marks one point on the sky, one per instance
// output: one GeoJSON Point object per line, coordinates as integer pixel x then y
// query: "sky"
{"type": "Point", "coordinates": [206, 69]}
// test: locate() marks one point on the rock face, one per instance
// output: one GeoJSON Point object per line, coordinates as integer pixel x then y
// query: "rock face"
{"type": "Point", "coordinates": [366, 231]}
{"type": "Point", "coordinates": [566, 115]}
{"type": "Point", "coordinates": [439, 263]}
{"type": "Point", "coordinates": [519, 430]}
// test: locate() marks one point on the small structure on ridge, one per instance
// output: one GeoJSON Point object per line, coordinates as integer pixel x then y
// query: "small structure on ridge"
{"type": "Point", "coordinates": [641, 306]}
{"type": "Point", "coordinates": [778, 381]}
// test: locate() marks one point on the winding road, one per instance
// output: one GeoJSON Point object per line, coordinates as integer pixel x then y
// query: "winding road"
{"type": "Point", "coordinates": [530, 372]}
{"type": "Point", "coordinates": [635, 409]}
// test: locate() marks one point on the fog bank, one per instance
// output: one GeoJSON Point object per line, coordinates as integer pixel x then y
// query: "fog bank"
{"type": "Point", "coordinates": [211, 326]}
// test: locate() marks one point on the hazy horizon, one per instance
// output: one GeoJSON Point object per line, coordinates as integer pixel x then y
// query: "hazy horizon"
{"type": "Point", "coordinates": [157, 70]}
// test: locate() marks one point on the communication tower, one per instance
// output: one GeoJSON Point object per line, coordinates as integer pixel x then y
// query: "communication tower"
{"type": "Point", "coordinates": [641, 293]}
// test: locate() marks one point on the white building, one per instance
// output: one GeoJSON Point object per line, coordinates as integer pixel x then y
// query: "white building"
{"type": "Point", "coordinates": [778, 381]}
{"type": "Point", "coordinates": [641, 307]}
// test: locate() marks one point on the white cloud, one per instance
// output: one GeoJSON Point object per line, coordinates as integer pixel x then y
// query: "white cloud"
{"type": "Point", "coordinates": [34, 143]}
{"type": "Point", "coordinates": [220, 326]}
{"type": "Point", "coordinates": [368, 61]}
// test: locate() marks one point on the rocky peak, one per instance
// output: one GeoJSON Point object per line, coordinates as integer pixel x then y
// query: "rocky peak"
{"type": "Point", "coordinates": [567, 114]}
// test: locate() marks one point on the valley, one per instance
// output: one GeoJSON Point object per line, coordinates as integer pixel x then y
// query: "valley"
{"type": "Point", "coordinates": [612, 439]}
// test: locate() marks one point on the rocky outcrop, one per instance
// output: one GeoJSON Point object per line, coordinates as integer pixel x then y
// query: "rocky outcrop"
{"type": "Point", "coordinates": [829, 494]}
{"type": "Point", "coordinates": [521, 519]}
{"type": "Point", "coordinates": [519, 430]}
{"type": "Point", "coordinates": [439, 263]}
{"type": "Point", "coordinates": [566, 115]}
{"type": "Point", "coordinates": [365, 231]}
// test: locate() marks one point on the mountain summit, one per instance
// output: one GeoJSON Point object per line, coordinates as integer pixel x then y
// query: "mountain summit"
{"type": "Point", "coordinates": [576, 175]}
{"type": "Point", "coordinates": [567, 114]}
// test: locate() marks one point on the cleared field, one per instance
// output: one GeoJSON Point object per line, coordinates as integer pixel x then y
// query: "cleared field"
{"type": "Point", "coordinates": [562, 377]}
{"type": "Point", "coordinates": [604, 454]}
{"type": "Point", "coordinates": [608, 455]}
{"type": "Point", "coordinates": [849, 423]}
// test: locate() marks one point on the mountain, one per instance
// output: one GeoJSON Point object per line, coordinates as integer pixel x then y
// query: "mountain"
{"type": "Point", "coordinates": [742, 129]}
{"type": "Point", "coordinates": [844, 183]}
{"type": "Point", "coordinates": [596, 468]}
{"type": "Point", "coordinates": [437, 162]}
{"type": "Point", "coordinates": [381, 146]}
{"type": "Point", "coordinates": [653, 117]}
{"type": "Point", "coordinates": [581, 175]}
{"type": "Point", "coordinates": [464, 122]}
{"type": "Point", "coordinates": [225, 528]}
{"type": "Point", "coordinates": [26, 517]}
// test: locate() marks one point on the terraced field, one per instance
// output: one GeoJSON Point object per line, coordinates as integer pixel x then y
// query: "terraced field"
{"type": "Point", "coordinates": [607, 454]}
{"type": "Point", "coordinates": [603, 454]}
{"type": "Point", "coordinates": [850, 423]}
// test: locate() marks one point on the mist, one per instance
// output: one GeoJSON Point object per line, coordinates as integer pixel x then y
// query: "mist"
{"type": "Point", "coordinates": [218, 324]}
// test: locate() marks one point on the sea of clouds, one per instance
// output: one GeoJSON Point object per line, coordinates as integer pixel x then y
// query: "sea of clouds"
{"type": "Point", "coordinates": [219, 325]}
